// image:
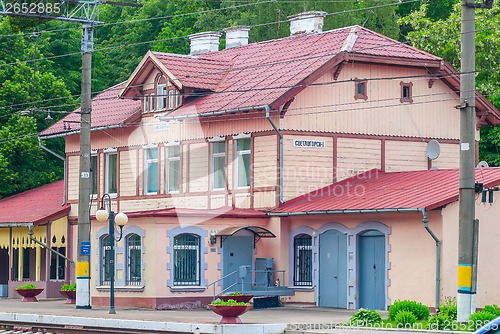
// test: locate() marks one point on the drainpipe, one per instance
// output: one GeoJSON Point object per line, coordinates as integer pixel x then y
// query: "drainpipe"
{"type": "Point", "coordinates": [425, 220]}
{"type": "Point", "coordinates": [268, 116]}
{"type": "Point", "coordinates": [59, 157]}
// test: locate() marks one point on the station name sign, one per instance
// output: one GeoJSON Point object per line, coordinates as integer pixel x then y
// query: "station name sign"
{"type": "Point", "coordinates": [306, 143]}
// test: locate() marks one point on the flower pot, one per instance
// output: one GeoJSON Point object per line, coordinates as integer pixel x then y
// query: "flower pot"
{"type": "Point", "coordinates": [70, 296]}
{"type": "Point", "coordinates": [29, 295]}
{"type": "Point", "coordinates": [238, 298]}
{"type": "Point", "coordinates": [230, 314]}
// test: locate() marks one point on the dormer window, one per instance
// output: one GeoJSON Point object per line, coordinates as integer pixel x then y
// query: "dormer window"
{"type": "Point", "coordinates": [167, 96]}
{"type": "Point", "coordinates": [161, 97]}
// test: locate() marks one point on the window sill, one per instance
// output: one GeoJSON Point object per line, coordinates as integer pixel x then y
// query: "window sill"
{"type": "Point", "coordinates": [302, 288]}
{"type": "Point", "coordinates": [187, 288]}
{"type": "Point", "coordinates": [121, 288]}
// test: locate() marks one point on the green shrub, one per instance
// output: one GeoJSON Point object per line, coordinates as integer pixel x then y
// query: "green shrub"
{"type": "Point", "coordinates": [405, 318]}
{"type": "Point", "coordinates": [230, 302]}
{"type": "Point", "coordinates": [68, 287]}
{"type": "Point", "coordinates": [448, 309]}
{"type": "Point", "coordinates": [421, 312]}
{"type": "Point", "coordinates": [28, 286]}
{"type": "Point", "coordinates": [365, 318]}
{"type": "Point", "coordinates": [479, 319]}
{"type": "Point", "coordinates": [439, 322]}
{"type": "Point", "coordinates": [493, 309]}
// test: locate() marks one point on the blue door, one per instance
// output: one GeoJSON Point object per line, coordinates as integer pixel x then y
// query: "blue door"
{"type": "Point", "coordinates": [372, 270]}
{"type": "Point", "coordinates": [236, 252]}
{"type": "Point", "coordinates": [333, 269]}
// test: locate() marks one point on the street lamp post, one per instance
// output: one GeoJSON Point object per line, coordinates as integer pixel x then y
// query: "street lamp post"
{"type": "Point", "coordinates": [102, 215]}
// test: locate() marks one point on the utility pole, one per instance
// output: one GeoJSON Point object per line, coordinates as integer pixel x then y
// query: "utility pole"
{"type": "Point", "coordinates": [83, 246]}
{"type": "Point", "coordinates": [467, 248]}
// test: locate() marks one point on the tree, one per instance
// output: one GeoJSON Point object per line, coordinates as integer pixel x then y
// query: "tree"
{"type": "Point", "coordinates": [442, 38]}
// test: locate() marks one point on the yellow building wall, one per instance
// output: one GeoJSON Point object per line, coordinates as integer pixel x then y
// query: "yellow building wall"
{"type": "Point", "coordinates": [328, 107]}
{"type": "Point", "coordinates": [306, 168]}
{"type": "Point", "coordinates": [355, 156]}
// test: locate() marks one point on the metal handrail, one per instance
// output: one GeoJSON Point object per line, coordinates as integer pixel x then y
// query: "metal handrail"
{"type": "Point", "coordinates": [220, 279]}
{"type": "Point", "coordinates": [252, 283]}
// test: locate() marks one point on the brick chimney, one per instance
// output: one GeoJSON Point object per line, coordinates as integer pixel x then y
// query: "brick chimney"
{"type": "Point", "coordinates": [306, 23]}
{"type": "Point", "coordinates": [204, 42]}
{"type": "Point", "coordinates": [236, 36]}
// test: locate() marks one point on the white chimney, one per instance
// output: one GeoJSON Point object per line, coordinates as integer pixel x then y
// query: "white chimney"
{"type": "Point", "coordinates": [306, 23]}
{"type": "Point", "coordinates": [204, 42]}
{"type": "Point", "coordinates": [236, 36]}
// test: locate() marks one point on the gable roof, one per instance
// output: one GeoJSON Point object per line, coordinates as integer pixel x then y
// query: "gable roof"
{"type": "Point", "coordinates": [108, 111]}
{"type": "Point", "coordinates": [261, 74]}
{"type": "Point", "coordinates": [273, 72]}
{"type": "Point", "coordinates": [377, 191]}
{"type": "Point", "coordinates": [35, 206]}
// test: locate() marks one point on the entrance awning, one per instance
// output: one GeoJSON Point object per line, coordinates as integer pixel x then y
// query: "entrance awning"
{"type": "Point", "coordinates": [258, 232]}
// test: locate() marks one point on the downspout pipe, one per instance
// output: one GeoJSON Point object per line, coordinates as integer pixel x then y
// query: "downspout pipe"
{"type": "Point", "coordinates": [268, 117]}
{"type": "Point", "coordinates": [60, 158]}
{"type": "Point", "coordinates": [425, 221]}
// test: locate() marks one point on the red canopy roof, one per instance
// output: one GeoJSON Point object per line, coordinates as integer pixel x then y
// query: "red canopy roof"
{"type": "Point", "coordinates": [378, 190]}
{"type": "Point", "coordinates": [35, 206]}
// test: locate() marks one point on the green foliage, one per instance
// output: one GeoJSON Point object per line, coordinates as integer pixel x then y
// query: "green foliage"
{"type": "Point", "coordinates": [230, 302]}
{"type": "Point", "coordinates": [405, 318]}
{"type": "Point", "coordinates": [421, 312]}
{"type": "Point", "coordinates": [365, 318]}
{"type": "Point", "coordinates": [493, 309]}
{"type": "Point", "coordinates": [479, 319]}
{"type": "Point", "coordinates": [438, 322]}
{"type": "Point", "coordinates": [68, 287]}
{"type": "Point", "coordinates": [28, 286]}
{"type": "Point", "coordinates": [448, 309]}
{"type": "Point", "coordinates": [236, 293]}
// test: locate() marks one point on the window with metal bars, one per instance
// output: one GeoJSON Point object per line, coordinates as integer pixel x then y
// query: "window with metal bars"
{"type": "Point", "coordinates": [134, 264]}
{"type": "Point", "coordinates": [303, 260]}
{"type": "Point", "coordinates": [106, 260]}
{"type": "Point", "coordinates": [186, 259]}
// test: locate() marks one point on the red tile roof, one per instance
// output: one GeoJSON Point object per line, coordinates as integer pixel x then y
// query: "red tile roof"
{"type": "Point", "coordinates": [107, 111]}
{"type": "Point", "coordinates": [378, 190]}
{"type": "Point", "coordinates": [35, 206]}
{"type": "Point", "coordinates": [257, 74]}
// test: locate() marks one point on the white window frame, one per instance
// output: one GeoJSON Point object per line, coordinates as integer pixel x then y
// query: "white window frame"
{"type": "Point", "coordinates": [161, 96]}
{"type": "Point", "coordinates": [171, 160]}
{"type": "Point", "coordinates": [147, 163]}
{"type": "Point", "coordinates": [213, 158]}
{"type": "Point", "coordinates": [171, 99]}
{"type": "Point", "coordinates": [146, 103]}
{"type": "Point", "coordinates": [108, 153]}
{"type": "Point", "coordinates": [239, 155]}
{"type": "Point", "coordinates": [94, 175]}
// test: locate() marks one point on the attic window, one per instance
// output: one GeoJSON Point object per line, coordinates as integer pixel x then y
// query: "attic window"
{"type": "Point", "coordinates": [406, 92]}
{"type": "Point", "coordinates": [360, 90]}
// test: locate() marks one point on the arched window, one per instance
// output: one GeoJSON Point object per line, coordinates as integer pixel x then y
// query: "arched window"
{"type": "Point", "coordinates": [106, 260]}
{"type": "Point", "coordinates": [134, 259]}
{"type": "Point", "coordinates": [302, 245]}
{"type": "Point", "coordinates": [186, 259]}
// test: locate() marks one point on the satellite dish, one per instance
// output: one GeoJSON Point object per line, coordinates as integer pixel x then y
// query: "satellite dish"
{"type": "Point", "coordinates": [433, 149]}
{"type": "Point", "coordinates": [482, 164]}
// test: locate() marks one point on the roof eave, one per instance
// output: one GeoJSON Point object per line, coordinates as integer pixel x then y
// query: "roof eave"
{"type": "Point", "coordinates": [346, 211]}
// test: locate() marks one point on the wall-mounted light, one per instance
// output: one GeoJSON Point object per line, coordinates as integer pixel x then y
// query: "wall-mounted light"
{"type": "Point", "coordinates": [315, 233]}
{"type": "Point", "coordinates": [213, 237]}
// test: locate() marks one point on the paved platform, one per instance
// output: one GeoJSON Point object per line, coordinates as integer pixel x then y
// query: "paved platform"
{"type": "Point", "coordinates": [268, 321]}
